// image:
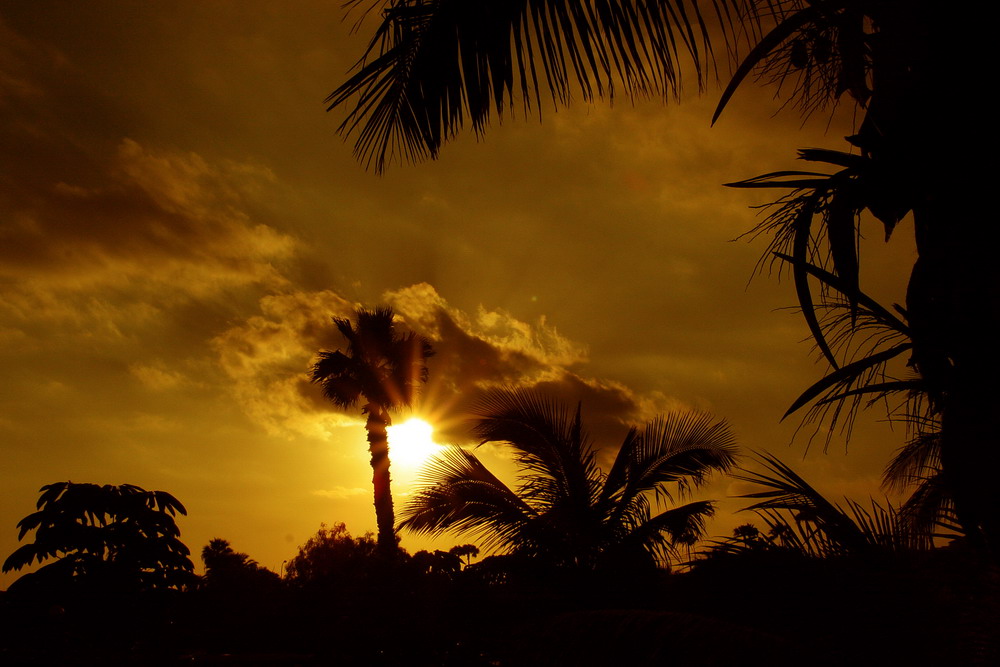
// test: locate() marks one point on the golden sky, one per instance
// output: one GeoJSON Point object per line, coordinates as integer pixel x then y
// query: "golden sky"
{"type": "Point", "coordinates": [179, 222]}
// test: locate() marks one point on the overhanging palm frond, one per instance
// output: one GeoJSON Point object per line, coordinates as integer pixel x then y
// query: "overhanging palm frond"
{"type": "Point", "coordinates": [837, 201]}
{"type": "Point", "coordinates": [434, 65]}
{"type": "Point", "coordinates": [818, 50]}
{"type": "Point", "coordinates": [869, 340]}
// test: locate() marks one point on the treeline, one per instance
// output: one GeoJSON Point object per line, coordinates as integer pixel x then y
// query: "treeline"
{"type": "Point", "coordinates": [810, 583]}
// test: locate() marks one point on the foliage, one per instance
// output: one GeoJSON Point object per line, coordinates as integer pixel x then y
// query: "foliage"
{"type": "Point", "coordinates": [381, 368]}
{"type": "Point", "coordinates": [566, 512]}
{"type": "Point", "coordinates": [444, 562]}
{"type": "Point", "coordinates": [229, 569]}
{"type": "Point", "coordinates": [113, 537]}
{"type": "Point", "coordinates": [433, 65]}
{"type": "Point", "coordinates": [800, 519]}
{"type": "Point", "coordinates": [332, 555]}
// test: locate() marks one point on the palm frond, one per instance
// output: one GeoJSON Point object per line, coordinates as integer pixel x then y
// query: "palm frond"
{"type": "Point", "coordinates": [460, 494]}
{"type": "Point", "coordinates": [800, 518]}
{"type": "Point", "coordinates": [764, 47]}
{"type": "Point", "coordinates": [550, 445]}
{"type": "Point", "coordinates": [786, 490]}
{"type": "Point", "coordinates": [930, 509]}
{"type": "Point", "coordinates": [680, 449]}
{"type": "Point", "coordinates": [434, 65]}
{"type": "Point", "coordinates": [918, 459]}
{"type": "Point", "coordinates": [679, 526]}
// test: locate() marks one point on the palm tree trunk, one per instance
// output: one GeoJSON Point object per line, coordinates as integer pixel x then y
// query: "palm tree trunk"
{"type": "Point", "coordinates": [378, 446]}
{"type": "Point", "coordinates": [953, 296]}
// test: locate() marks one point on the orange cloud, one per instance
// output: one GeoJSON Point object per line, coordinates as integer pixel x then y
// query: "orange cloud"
{"type": "Point", "coordinates": [157, 228]}
{"type": "Point", "coordinates": [267, 358]}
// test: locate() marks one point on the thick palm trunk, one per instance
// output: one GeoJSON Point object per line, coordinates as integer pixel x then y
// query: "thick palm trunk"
{"type": "Point", "coordinates": [952, 298]}
{"type": "Point", "coordinates": [378, 446]}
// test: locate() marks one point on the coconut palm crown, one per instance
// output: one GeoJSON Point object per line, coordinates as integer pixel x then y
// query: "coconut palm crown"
{"type": "Point", "coordinates": [565, 511]}
{"type": "Point", "coordinates": [380, 369]}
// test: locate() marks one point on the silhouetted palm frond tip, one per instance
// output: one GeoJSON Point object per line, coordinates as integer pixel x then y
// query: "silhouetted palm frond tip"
{"type": "Point", "coordinates": [564, 511]}
{"type": "Point", "coordinates": [433, 65]}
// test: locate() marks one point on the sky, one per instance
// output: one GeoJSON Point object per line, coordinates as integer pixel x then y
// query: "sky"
{"type": "Point", "coordinates": [179, 222]}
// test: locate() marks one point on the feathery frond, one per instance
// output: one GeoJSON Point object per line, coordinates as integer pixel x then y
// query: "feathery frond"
{"type": "Point", "coordinates": [565, 512]}
{"type": "Point", "coordinates": [434, 65]}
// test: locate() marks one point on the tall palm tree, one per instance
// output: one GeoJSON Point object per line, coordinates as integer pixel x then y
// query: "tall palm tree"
{"type": "Point", "coordinates": [565, 511]}
{"type": "Point", "coordinates": [380, 369]}
{"type": "Point", "coordinates": [435, 65]}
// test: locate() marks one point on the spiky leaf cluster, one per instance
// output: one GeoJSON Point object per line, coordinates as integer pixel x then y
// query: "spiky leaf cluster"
{"type": "Point", "coordinates": [564, 510]}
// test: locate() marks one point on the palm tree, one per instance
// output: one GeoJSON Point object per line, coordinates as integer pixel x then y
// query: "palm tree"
{"type": "Point", "coordinates": [434, 65]}
{"type": "Point", "coordinates": [565, 512]}
{"type": "Point", "coordinates": [381, 370]}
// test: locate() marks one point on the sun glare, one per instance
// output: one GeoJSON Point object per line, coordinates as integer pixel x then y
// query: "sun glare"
{"type": "Point", "coordinates": [411, 443]}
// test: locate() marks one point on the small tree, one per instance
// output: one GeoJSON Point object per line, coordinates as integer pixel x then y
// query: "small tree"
{"type": "Point", "coordinates": [333, 555]}
{"type": "Point", "coordinates": [227, 569]}
{"type": "Point", "coordinates": [120, 538]}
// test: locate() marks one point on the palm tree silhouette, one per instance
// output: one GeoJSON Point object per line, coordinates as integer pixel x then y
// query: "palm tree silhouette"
{"type": "Point", "coordinates": [565, 512]}
{"type": "Point", "coordinates": [381, 370]}
{"type": "Point", "coordinates": [435, 65]}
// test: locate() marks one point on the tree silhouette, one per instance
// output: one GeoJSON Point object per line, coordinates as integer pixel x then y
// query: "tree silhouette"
{"type": "Point", "coordinates": [333, 555]}
{"type": "Point", "coordinates": [113, 538]}
{"type": "Point", "coordinates": [434, 65]}
{"type": "Point", "coordinates": [381, 370]}
{"type": "Point", "coordinates": [565, 512]}
{"type": "Point", "coordinates": [229, 570]}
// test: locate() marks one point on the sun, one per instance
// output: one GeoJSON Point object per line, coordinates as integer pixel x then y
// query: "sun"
{"type": "Point", "coordinates": [411, 443]}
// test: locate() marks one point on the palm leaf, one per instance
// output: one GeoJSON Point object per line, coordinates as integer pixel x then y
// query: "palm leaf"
{"type": "Point", "coordinates": [548, 440]}
{"type": "Point", "coordinates": [786, 490]}
{"type": "Point", "coordinates": [847, 374]}
{"type": "Point", "coordinates": [679, 448]}
{"type": "Point", "coordinates": [434, 65]}
{"type": "Point", "coordinates": [460, 494]}
{"type": "Point", "coordinates": [785, 29]}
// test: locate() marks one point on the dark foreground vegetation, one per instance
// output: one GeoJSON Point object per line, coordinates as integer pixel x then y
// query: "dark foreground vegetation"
{"type": "Point", "coordinates": [811, 583]}
{"type": "Point", "coordinates": [350, 606]}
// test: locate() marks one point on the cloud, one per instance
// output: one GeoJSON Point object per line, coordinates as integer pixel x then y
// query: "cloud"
{"type": "Point", "coordinates": [268, 356]}
{"type": "Point", "coordinates": [156, 375]}
{"type": "Point", "coordinates": [341, 492]}
{"type": "Point", "coordinates": [157, 222]}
